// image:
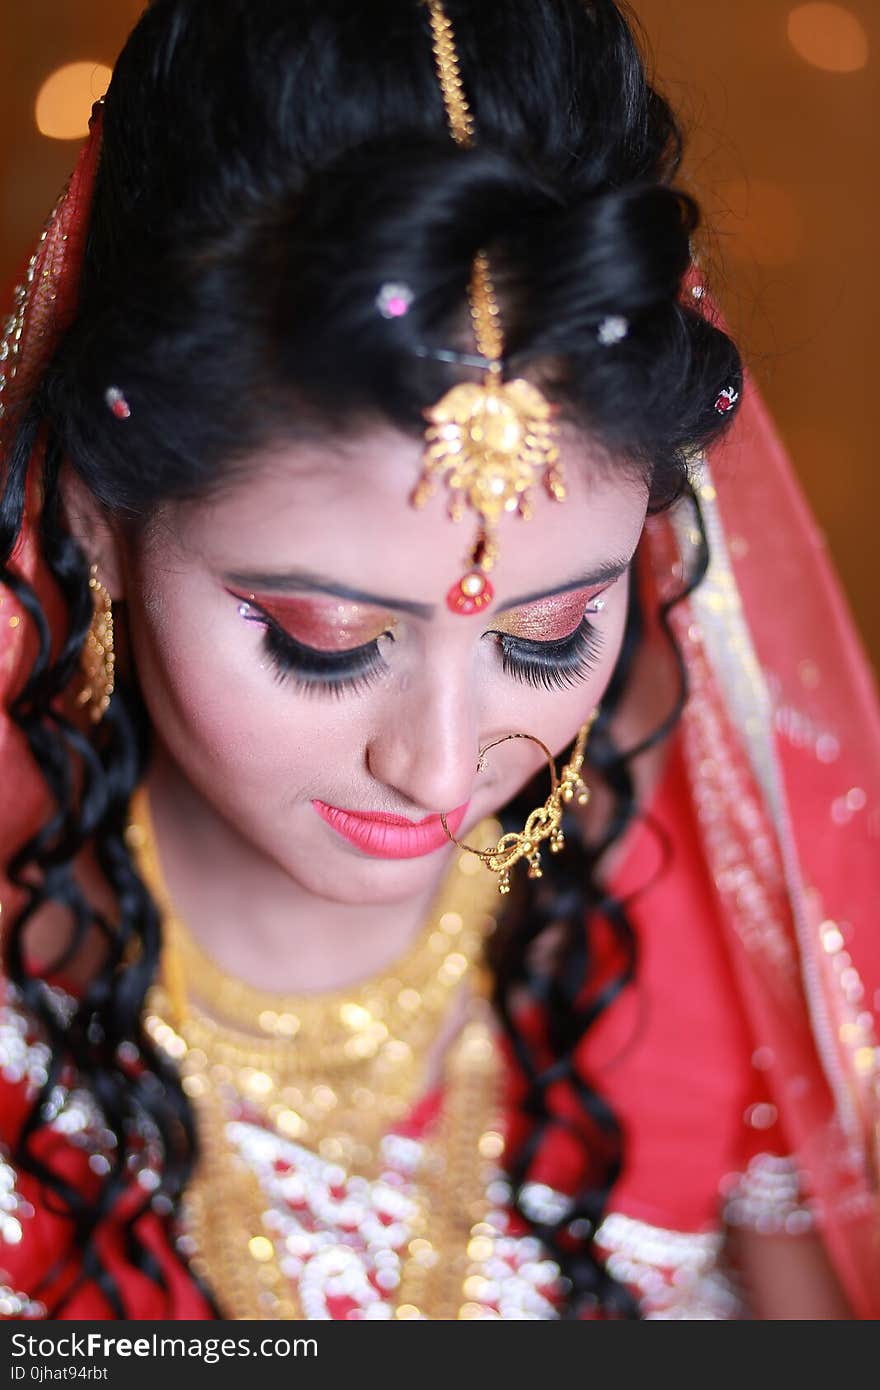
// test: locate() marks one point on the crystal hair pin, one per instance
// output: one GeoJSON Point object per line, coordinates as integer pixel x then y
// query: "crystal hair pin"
{"type": "Point", "coordinates": [394, 300]}
{"type": "Point", "coordinates": [613, 329]}
{"type": "Point", "coordinates": [116, 403]}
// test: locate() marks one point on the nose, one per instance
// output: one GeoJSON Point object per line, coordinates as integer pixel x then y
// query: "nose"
{"type": "Point", "coordinates": [426, 748]}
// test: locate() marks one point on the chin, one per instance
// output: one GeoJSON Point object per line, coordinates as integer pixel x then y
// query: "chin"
{"type": "Point", "coordinates": [360, 881]}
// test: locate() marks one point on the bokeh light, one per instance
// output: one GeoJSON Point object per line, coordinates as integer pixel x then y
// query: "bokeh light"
{"type": "Point", "coordinates": [64, 102]}
{"type": "Point", "coordinates": [828, 36]}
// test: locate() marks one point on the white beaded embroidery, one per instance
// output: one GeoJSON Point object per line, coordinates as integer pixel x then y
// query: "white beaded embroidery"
{"type": "Point", "coordinates": [767, 1198]}
{"type": "Point", "coordinates": [679, 1274]}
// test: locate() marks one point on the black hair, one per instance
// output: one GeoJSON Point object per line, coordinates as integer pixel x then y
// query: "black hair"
{"type": "Point", "coordinates": [266, 166]}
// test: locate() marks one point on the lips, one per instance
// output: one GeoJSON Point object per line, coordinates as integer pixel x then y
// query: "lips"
{"type": "Point", "coordinates": [391, 837]}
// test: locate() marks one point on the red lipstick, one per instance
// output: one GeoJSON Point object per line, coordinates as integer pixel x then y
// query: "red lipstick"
{"type": "Point", "coordinates": [391, 837]}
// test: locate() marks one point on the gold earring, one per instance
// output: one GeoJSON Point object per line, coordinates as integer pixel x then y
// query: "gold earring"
{"type": "Point", "coordinates": [98, 660]}
{"type": "Point", "coordinates": [545, 822]}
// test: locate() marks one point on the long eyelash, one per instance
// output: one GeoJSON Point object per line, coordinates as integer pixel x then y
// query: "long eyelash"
{"type": "Point", "coordinates": [558, 665]}
{"type": "Point", "coordinates": [315, 672]}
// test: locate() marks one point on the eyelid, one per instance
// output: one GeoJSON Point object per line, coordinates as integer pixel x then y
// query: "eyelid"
{"type": "Point", "coordinates": [555, 664]}
{"type": "Point", "coordinates": [570, 607]}
{"type": "Point", "coordinates": [594, 591]}
{"type": "Point", "coordinates": [558, 664]}
{"type": "Point", "coordinates": [249, 601]}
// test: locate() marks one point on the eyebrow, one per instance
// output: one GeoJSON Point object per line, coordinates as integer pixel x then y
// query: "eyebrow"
{"type": "Point", "coordinates": [302, 581]}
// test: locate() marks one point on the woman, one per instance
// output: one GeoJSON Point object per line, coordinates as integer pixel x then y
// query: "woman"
{"type": "Point", "coordinates": [328, 279]}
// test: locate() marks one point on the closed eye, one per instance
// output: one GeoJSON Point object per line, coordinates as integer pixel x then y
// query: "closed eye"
{"type": "Point", "coordinates": [559, 664]}
{"type": "Point", "coordinates": [314, 671]}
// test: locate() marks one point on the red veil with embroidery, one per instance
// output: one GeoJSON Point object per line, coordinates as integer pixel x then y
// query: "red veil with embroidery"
{"type": "Point", "coordinates": [774, 789]}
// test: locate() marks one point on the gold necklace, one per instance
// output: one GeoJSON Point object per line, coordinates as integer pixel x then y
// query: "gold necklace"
{"type": "Point", "coordinates": [240, 1251]}
{"type": "Point", "coordinates": [328, 1076]}
{"type": "Point", "coordinates": [332, 1071]}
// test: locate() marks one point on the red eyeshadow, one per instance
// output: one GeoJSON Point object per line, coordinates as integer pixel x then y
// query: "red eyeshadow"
{"type": "Point", "coordinates": [549, 619]}
{"type": "Point", "coordinates": [328, 625]}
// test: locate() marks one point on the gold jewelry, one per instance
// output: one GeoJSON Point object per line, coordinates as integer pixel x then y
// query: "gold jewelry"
{"type": "Point", "coordinates": [98, 660]}
{"type": "Point", "coordinates": [545, 822]}
{"type": "Point", "coordinates": [335, 1069]}
{"type": "Point", "coordinates": [291, 1063]}
{"type": "Point", "coordinates": [240, 1249]}
{"type": "Point", "coordinates": [488, 442]}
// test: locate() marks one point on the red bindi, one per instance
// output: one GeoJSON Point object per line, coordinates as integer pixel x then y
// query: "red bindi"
{"type": "Point", "coordinates": [471, 594]}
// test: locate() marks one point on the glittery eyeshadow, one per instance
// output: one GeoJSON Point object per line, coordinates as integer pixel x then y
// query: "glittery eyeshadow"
{"type": "Point", "coordinates": [327, 625]}
{"type": "Point", "coordinates": [548, 620]}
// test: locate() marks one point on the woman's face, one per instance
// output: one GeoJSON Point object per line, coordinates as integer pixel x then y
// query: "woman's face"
{"type": "Point", "coordinates": [298, 657]}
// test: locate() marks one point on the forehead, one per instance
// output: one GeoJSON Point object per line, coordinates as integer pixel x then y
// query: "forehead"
{"type": "Point", "coordinates": [343, 508]}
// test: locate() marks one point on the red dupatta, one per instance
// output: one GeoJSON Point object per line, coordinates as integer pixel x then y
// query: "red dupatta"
{"type": "Point", "coordinates": [782, 741]}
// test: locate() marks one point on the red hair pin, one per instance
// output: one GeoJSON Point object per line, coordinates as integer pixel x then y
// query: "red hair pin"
{"type": "Point", "coordinates": [727, 399]}
{"type": "Point", "coordinates": [117, 403]}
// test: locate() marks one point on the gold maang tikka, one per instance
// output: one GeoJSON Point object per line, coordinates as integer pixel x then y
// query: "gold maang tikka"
{"type": "Point", "coordinates": [545, 822]}
{"type": "Point", "coordinates": [491, 441]}
{"type": "Point", "coordinates": [98, 660]}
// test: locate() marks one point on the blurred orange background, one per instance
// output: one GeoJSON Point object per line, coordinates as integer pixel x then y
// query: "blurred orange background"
{"type": "Point", "coordinates": [780, 105]}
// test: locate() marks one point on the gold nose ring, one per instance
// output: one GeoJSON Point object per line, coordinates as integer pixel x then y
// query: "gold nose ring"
{"type": "Point", "coordinates": [545, 822]}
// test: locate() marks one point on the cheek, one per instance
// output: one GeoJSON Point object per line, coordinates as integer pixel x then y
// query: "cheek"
{"type": "Point", "coordinates": [227, 722]}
